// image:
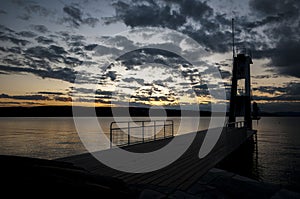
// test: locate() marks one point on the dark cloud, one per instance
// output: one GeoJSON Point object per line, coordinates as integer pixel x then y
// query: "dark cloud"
{"type": "Point", "coordinates": [160, 14]}
{"type": "Point", "coordinates": [148, 15]}
{"type": "Point", "coordinates": [24, 97]}
{"type": "Point", "coordinates": [3, 12]}
{"type": "Point", "coordinates": [72, 61]}
{"type": "Point", "coordinates": [281, 22]}
{"type": "Point", "coordinates": [28, 34]}
{"type": "Point", "coordinates": [40, 28]}
{"type": "Point", "coordinates": [293, 88]}
{"type": "Point", "coordinates": [31, 8]}
{"type": "Point", "coordinates": [289, 92]}
{"type": "Point", "coordinates": [62, 99]}
{"type": "Point", "coordinates": [151, 55]}
{"type": "Point", "coordinates": [195, 9]}
{"type": "Point", "coordinates": [76, 17]}
{"type": "Point", "coordinates": [291, 7]}
{"type": "Point", "coordinates": [65, 74]}
{"type": "Point", "coordinates": [112, 75]}
{"type": "Point", "coordinates": [269, 89]}
{"type": "Point", "coordinates": [78, 90]}
{"type": "Point", "coordinates": [132, 79]}
{"type": "Point", "coordinates": [77, 51]}
{"type": "Point", "coordinates": [74, 13]}
{"type": "Point", "coordinates": [90, 47]}
{"type": "Point", "coordinates": [16, 50]}
{"type": "Point", "coordinates": [24, 17]}
{"type": "Point", "coordinates": [50, 93]}
{"type": "Point", "coordinates": [14, 40]}
{"type": "Point", "coordinates": [286, 57]}
{"type": "Point", "coordinates": [272, 33]}
{"type": "Point", "coordinates": [44, 40]}
{"type": "Point", "coordinates": [53, 53]}
{"type": "Point", "coordinates": [5, 29]}
{"type": "Point", "coordinates": [37, 9]}
{"type": "Point", "coordinates": [12, 61]}
{"type": "Point", "coordinates": [103, 92]}
{"type": "Point", "coordinates": [264, 76]}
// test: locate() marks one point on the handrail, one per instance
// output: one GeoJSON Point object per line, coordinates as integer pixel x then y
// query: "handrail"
{"type": "Point", "coordinates": [154, 125]}
{"type": "Point", "coordinates": [239, 124]}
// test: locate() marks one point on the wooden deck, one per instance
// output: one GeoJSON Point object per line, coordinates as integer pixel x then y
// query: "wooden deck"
{"type": "Point", "coordinates": [182, 173]}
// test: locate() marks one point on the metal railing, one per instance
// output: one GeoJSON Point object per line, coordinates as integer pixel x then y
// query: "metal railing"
{"type": "Point", "coordinates": [239, 124]}
{"type": "Point", "coordinates": [133, 132]}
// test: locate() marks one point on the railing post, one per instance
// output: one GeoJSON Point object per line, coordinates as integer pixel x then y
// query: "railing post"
{"type": "Point", "coordinates": [164, 129]}
{"type": "Point", "coordinates": [110, 135]}
{"type": "Point", "coordinates": [143, 131]}
{"type": "Point", "coordinates": [172, 128]}
{"type": "Point", "coordinates": [154, 130]}
{"type": "Point", "coordinates": [128, 133]}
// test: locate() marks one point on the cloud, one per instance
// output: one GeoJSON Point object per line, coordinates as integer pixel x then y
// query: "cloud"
{"type": "Point", "coordinates": [24, 97]}
{"type": "Point", "coordinates": [5, 29]}
{"type": "Point", "coordinates": [2, 12]}
{"type": "Point", "coordinates": [269, 89]}
{"type": "Point", "coordinates": [289, 92]}
{"type": "Point", "coordinates": [65, 74]}
{"type": "Point", "coordinates": [28, 34]}
{"type": "Point", "coordinates": [31, 8]}
{"type": "Point", "coordinates": [190, 12]}
{"type": "Point", "coordinates": [50, 93]}
{"type": "Point", "coordinates": [90, 47]}
{"type": "Point", "coordinates": [272, 32]}
{"type": "Point", "coordinates": [53, 53]}
{"type": "Point", "coordinates": [75, 17]}
{"type": "Point", "coordinates": [286, 57]}
{"type": "Point", "coordinates": [264, 76]}
{"type": "Point", "coordinates": [14, 40]}
{"type": "Point", "coordinates": [263, 7]}
{"type": "Point", "coordinates": [282, 28]}
{"type": "Point", "coordinates": [62, 99]}
{"type": "Point", "coordinates": [40, 28]}
{"type": "Point", "coordinates": [44, 40]}
{"type": "Point", "coordinates": [132, 79]}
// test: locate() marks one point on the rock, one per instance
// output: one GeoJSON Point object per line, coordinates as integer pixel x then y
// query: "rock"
{"type": "Point", "coordinates": [182, 195]}
{"type": "Point", "coordinates": [283, 194]}
{"type": "Point", "coordinates": [199, 188]}
{"type": "Point", "coordinates": [151, 194]}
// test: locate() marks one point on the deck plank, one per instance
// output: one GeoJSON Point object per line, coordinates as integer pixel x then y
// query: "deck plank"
{"type": "Point", "coordinates": [182, 173]}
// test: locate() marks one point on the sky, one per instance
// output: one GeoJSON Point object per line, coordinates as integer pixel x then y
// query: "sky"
{"type": "Point", "coordinates": [152, 52]}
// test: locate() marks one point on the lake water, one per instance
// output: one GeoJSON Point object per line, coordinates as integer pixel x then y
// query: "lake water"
{"type": "Point", "coordinates": [277, 158]}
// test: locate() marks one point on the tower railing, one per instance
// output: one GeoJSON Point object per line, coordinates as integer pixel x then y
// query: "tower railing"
{"type": "Point", "coordinates": [236, 125]}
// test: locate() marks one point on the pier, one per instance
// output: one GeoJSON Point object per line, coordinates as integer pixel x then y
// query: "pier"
{"type": "Point", "coordinates": [182, 173]}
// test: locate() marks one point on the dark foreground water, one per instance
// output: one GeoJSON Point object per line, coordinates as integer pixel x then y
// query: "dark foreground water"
{"type": "Point", "coordinates": [275, 158]}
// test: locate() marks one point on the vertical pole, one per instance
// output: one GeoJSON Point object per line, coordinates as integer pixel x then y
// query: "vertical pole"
{"type": "Point", "coordinates": [154, 130]}
{"type": "Point", "coordinates": [164, 129]}
{"type": "Point", "coordinates": [248, 118]}
{"type": "Point", "coordinates": [110, 135]}
{"type": "Point", "coordinates": [172, 128]}
{"type": "Point", "coordinates": [143, 131]}
{"type": "Point", "coordinates": [128, 133]}
{"type": "Point", "coordinates": [233, 43]}
{"type": "Point", "coordinates": [232, 105]}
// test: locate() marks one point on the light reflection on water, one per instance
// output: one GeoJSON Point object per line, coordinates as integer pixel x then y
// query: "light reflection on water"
{"type": "Point", "coordinates": [52, 138]}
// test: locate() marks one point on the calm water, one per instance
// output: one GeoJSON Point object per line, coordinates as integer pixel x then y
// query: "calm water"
{"type": "Point", "coordinates": [277, 158]}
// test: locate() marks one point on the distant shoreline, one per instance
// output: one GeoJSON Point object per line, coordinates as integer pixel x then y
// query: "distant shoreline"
{"type": "Point", "coordinates": [66, 111]}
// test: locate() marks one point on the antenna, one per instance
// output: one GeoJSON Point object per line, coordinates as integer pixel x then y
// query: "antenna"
{"type": "Point", "coordinates": [233, 44]}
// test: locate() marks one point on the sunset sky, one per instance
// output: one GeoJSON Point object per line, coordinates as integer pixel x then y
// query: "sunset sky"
{"type": "Point", "coordinates": [53, 51]}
